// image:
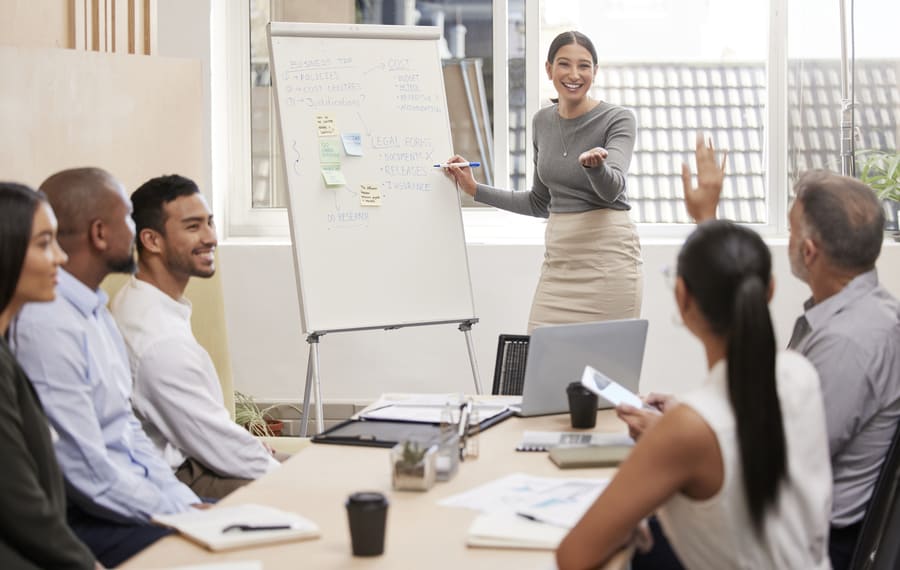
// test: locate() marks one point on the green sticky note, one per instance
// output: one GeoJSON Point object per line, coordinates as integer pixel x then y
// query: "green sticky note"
{"type": "Point", "coordinates": [333, 175]}
{"type": "Point", "coordinates": [329, 151]}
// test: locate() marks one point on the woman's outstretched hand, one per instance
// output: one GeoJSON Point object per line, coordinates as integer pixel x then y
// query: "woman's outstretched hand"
{"type": "Point", "coordinates": [594, 157]}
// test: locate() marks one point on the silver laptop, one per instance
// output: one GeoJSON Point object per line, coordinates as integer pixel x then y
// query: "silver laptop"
{"type": "Point", "coordinates": [557, 355]}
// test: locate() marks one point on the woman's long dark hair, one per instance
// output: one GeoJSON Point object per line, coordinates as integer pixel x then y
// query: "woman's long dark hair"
{"type": "Point", "coordinates": [727, 269]}
{"type": "Point", "coordinates": [17, 206]}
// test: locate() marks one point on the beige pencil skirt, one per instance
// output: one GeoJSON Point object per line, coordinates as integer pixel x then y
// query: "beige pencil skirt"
{"type": "Point", "coordinates": [592, 269]}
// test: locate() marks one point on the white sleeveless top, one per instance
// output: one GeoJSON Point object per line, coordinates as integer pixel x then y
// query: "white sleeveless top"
{"type": "Point", "coordinates": [717, 532]}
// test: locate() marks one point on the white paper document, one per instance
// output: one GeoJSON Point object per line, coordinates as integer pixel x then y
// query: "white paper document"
{"type": "Point", "coordinates": [558, 500]}
{"type": "Point", "coordinates": [225, 528]}
{"type": "Point", "coordinates": [523, 511]}
{"type": "Point", "coordinates": [608, 389]}
{"type": "Point", "coordinates": [427, 408]}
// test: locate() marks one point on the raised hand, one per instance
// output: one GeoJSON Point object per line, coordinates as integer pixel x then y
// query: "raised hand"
{"type": "Point", "coordinates": [702, 200]}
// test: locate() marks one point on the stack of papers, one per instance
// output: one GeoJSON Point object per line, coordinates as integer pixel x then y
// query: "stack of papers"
{"type": "Point", "coordinates": [248, 525]}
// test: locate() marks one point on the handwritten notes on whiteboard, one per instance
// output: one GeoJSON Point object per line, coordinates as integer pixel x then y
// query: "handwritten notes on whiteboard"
{"type": "Point", "coordinates": [373, 118]}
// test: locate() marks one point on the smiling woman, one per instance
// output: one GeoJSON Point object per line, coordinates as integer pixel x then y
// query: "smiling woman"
{"type": "Point", "coordinates": [32, 495]}
{"type": "Point", "coordinates": [592, 266]}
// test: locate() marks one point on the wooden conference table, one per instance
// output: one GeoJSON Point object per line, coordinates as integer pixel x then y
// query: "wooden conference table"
{"type": "Point", "coordinates": [420, 533]}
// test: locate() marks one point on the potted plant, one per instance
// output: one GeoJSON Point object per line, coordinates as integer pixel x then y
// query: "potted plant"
{"type": "Point", "coordinates": [881, 171]}
{"type": "Point", "coordinates": [249, 415]}
{"type": "Point", "coordinates": [413, 466]}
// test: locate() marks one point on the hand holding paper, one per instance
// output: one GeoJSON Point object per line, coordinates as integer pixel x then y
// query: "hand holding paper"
{"type": "Point", "coordinates": [609, 389]}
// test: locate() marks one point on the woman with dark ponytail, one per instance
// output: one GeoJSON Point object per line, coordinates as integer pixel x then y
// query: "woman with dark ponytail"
{"type": "Point", "coordinates": [738, 471]}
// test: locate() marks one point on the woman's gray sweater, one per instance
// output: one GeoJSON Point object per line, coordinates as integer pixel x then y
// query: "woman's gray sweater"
{"type": "Point", "coordinates": [561, 184]}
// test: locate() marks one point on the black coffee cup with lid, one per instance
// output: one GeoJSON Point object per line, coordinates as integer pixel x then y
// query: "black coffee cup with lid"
{"type": "Point", "coordinates": [367, 515]}
{"type": "Point", "coordinates": [582, 405]}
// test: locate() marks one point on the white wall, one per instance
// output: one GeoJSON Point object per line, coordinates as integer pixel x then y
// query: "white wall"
{"type": "Point", "coordinates": [269, 354]}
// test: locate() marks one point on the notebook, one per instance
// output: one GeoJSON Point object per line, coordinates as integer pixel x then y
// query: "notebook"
{"type": "Point", "coordinates": [508, 530]}
{"type": "Point", "coordinates": [206, 526]}
{"type": "Point", "coordinates": [557, 355]}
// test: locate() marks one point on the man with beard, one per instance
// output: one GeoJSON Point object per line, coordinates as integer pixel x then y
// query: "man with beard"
{"type": "Point", "coordinates": [177, 393]}
{"type": "Point", "coordinates": [76, 359]}
{"type": "Point", "coordinates": [849, 331]}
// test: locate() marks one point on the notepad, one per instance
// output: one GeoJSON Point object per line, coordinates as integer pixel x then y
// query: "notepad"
{"type": "Point", "coordinates": [589, 456]}
{"type": "Point", "coordinates": [508, 530]}
{"type": "Point", "coordinates": [205, 526]}
{"type": "Point", "coordinates": [545, 440]}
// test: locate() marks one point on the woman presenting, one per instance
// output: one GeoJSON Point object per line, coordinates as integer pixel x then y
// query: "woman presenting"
{"type": "Point", "coordinates": [582, 149]}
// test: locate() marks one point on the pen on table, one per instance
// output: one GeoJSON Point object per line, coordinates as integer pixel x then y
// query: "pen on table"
{"type": "Point", "coordinates": [449, 164]}
{"type": "Point", "coordinates": [533, 518]}
{"type": "Point", "coordinates": [251, 527]}
{"type": "Point", "coordinates": [465, 411]}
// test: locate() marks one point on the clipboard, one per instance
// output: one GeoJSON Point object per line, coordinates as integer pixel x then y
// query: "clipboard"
{"type": "Point", "coordinates": [388, 433]}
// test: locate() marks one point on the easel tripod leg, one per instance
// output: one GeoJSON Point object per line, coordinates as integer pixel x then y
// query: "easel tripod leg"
{"type": "Point", "coordinates": [304, 427]}
{"type": "Point", "coordinates": [320, 413]}
{"type": "Point", "coordinates": [466, 328]}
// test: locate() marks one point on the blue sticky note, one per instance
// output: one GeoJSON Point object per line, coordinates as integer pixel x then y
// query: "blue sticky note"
{"type": "Point", "coordinates": [352, 144]}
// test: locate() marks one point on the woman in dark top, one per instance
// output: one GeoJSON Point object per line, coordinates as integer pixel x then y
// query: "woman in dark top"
{"type": "Point", "coordinates": [33, 529]}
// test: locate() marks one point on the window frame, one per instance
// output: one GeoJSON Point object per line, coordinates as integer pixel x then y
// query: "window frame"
{"type": "Point", "coordinates": [482, 225]}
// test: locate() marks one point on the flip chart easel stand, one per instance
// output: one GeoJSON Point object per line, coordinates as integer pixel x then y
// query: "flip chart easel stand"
{"type": "Point", "coordinates": [312, 367]}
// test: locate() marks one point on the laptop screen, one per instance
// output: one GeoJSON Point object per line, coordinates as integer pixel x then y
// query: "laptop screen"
{"type": "Point", "coordinates": [557, 355]}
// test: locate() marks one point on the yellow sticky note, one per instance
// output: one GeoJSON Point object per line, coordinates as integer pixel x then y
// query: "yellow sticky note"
{"type": "Point", "coordinates": [325, 125]}
{"type": "Point", "coordinates": [329, 151]}
{"type": "Point", "coordinates": [369, 195]}
{"type": "Point", "coordinates": [333, 175]}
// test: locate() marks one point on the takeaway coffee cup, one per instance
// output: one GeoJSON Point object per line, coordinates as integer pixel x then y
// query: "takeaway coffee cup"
{"type": "Point", "coordinates": [582, 406]}
{"type": "Point", "coordinates": [367, 514]}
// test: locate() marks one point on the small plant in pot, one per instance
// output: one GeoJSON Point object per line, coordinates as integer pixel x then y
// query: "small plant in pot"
{"type": "Point", "coordinates": [413, 466]}
{"type": "Point", "coordinates": [881, 171]}
{"type": "Point", "coordinates": [257, 421]}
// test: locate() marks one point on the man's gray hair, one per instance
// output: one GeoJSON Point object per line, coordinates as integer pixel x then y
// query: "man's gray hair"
{"type": "Point", "coordinates": [844, 216]}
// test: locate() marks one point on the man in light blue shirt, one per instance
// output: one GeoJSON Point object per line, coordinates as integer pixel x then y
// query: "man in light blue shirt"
{"type": "Point", "coordinates": [76, 359]}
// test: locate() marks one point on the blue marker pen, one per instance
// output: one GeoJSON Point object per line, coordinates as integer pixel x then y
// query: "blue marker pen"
{"type": "Point", "coordinates": [449, 164]}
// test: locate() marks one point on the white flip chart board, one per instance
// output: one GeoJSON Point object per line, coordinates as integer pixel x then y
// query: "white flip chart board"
{"type": "Point", "coordinates": [376, 228]}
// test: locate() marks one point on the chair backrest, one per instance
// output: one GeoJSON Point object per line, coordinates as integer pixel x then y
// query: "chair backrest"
{"type": "Point", "coordinates": [878, 547]}
{"type": "Point", "coordinates": [509, 370]}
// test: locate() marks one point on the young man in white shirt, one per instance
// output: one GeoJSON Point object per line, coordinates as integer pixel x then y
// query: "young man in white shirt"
{"type": "Point", "coordinates": [177, 394]}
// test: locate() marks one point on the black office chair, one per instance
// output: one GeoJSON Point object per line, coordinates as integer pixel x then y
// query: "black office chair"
{"type": "Point", "coordinates": [878, 547]}
{"type": "Point", "coordinates": [509, 370]}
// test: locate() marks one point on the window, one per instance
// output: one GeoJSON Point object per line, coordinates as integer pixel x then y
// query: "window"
{"type": "Point", "coordinates": [760, 78]}
{"type": "Point", "coordinates": [816, 96]}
